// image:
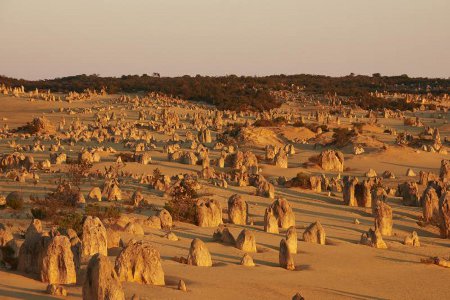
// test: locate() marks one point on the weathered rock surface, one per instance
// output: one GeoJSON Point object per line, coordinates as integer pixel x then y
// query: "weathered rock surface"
{"type": "Point", "coordinates": [315, 234]}
{"type": "Point", "coordinates": [246, 241]}
{"type": "Point", "coordinates": [140, 262]}
{"type": "Point", "coordinates": [373, 239]}
{"type": "Point", "coordinates": [331, 160]}
{"type": "Point", "coordinates": [102, 282]}
{"type": "Point", "coordinates": [208, 213]}
{"type": "Point", "coordinates": [283, 213]}
{"type": "Point", "coordinates": [199, 254]}
{"type": "Point", "coordinates": [383, 218]}
{"type": "Point", "coordinates": [57, 262]}
{"type": "Point", "coordinates": [285, 257]}
{"type": "Point", "coordinates": [291, 239]}
{"type": "Point", "coordinates": [237, 210]}
{"type": "Point", "coordinates": [94, 238]}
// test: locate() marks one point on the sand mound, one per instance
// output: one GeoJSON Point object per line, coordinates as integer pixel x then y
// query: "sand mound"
{"type": "Point", "coordinates": [297, 133]}
{"type": "Point", "coordinates": [370, 128]}
{"type": "Point", "coordinates": [259, 137]}
{"type": "Point", "coordinates": [366, 141]}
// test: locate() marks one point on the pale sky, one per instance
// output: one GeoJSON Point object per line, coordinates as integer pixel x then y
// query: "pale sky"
{"type": "Point", "coordinates": [54, 38]}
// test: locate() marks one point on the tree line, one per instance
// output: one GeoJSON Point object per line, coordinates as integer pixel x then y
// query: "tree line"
{"type": "Point", "coordinates": [242, 92]}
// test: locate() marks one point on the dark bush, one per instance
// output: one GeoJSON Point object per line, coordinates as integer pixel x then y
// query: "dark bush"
{"type": "Point", "coordinates": [249, 92]}
{"type": "Point", "coordinates": [342, 136]}
{"type": "Point", "coordinates": [103, 212]}
{"type": "Point", "coordinates": [299, 124]}
{"type": "Point", "coordinates": [40, 213]}
{"type": "Point", "coordinates": [182, 203]}
{"type": "Point", "coordinates": [48, 208]}
{"type": "Point", "coordinates": [279, 121]}
{"type": "Point", "coordinates": [9, 255]}
{"type": "Point", "coordinates": [300, 180]}
{"type": "Point", "coordinates": [65, 195]}
{"type": "Point", "coordinates": [70, 221]}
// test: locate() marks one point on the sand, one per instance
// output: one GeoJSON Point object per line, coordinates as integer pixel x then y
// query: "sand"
{"type": "Point", "coordinates": [342, 269]}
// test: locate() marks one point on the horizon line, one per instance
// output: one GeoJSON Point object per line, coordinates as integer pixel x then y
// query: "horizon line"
{"type": "Point", "coordinates": [152, 74]}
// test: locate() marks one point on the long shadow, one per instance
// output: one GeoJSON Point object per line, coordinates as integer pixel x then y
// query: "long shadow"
{"type": "Point", "coordinates": [398, 260]}
{"type": "Point", "coordinates": [406, 215]}
{"type": "Point", "coordinates": [353, 295]}
{"type": "Point", "coordinates": [407, 252]}
{"type": "Point", "coordinates": [434, 243]}
{"type": "Point", "coordinates": [420, 232]}
{"type": "Point", "coordinates": [322, 214]}
{"type": "Point", "coordinates": [179, 167]}
{"type": "Point", "coordinates": [358, 230]}
{"type": "Point", "coordinates": [408, 166]}
{"type": "Point", "coordinates": [267, 246]}
{"type": "Point", "coordinates": [265, 263]}
{"type": "Point", "coordinates": [19, 293]}
{"type": "Point", "coordinates": [330, 203]}
{"type": "Point", "coordinates": [173, 280]}
{"type": "Point", "coordinates": [203, 237]}
{"type": "Point", "coordinates": [298, 194]}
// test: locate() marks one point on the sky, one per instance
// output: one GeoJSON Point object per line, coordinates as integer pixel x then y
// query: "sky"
{"type": "Point", "coordinates": [42, 39]}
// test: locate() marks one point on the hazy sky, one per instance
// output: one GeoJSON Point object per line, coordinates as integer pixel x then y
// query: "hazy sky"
{"type": "Point", "coordinates": [54, 38]}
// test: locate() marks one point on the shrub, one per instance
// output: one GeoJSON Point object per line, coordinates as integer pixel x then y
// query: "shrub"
{"type": "Point", "coordinates": [301, 180]}
{"type": "Point", "coordinates": [299, 124]}
{"type": "Point", "coordinates": [65, 195]}
{"type": "Point", "coordinates": [182, 203]}
{"type": "Point", "coordinates": [15, 200]}
{"type": "Point", "coordinates": [103, 212]}
{"type": "Point", "coordinates": [48, 208]}
{"type": "Point", "coordinates": [342, 136]}
{"type": "Point", "coordinates": [157, 174]}
{"type": "Point", "coordinates": [77, 172]}
{"type": "Point", "coordinates": [40, 213]}
{"type": "Point", "coordinates": [70, 221]}
{"type": "Point", "coordinates": [279, 121]}
{"type": "Point", "coordinates": [9, 255]}
{"type": "Point", "coordinates": [230, 135]}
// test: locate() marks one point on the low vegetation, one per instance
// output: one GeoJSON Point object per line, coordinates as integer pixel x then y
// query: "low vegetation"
{"type": "Point", "coordinates": [182, 203]}
{"type": "Point", "coordinates": [246, 92]}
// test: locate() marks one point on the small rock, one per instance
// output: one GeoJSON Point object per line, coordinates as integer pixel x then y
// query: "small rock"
{"type": "Point", "coordinates": [412, 240]}
{"type": "Point", "coordinates": [182, 286]}
{"type": "Point", "coordinates": [172, 236]}
{"type": "Point", "coordinates": [410, 173]}
{"type": "Point", "coordinates": [56, 290]}
{"type": "Point", "coordinates": [371, 173]}
{"type": "Point", "coordinates": [298, 297]}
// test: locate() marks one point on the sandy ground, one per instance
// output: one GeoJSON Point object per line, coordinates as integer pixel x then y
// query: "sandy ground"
{"type": "Point", "coordinates": [342, 269]}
